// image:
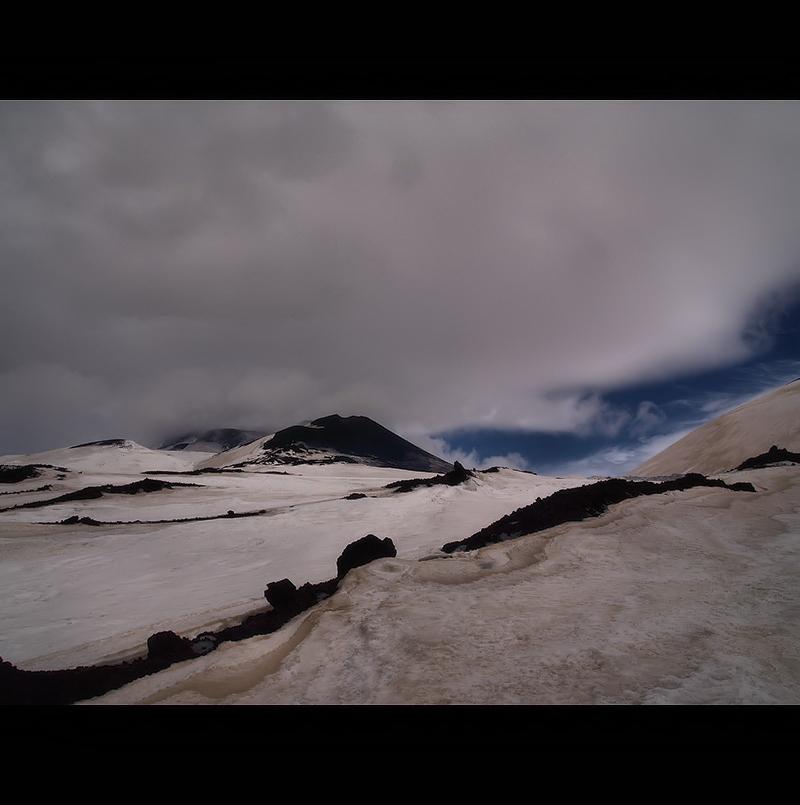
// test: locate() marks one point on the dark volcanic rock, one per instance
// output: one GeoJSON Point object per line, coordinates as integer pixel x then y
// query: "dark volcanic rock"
{"type": "Point", "coordinates": [280, 593]}
{"type": "Point", "coordinates": [775, 455]}
{"type": "Point", "coordinates": [168, 647]}
{"type": "Point", "coordinates": [363, 551]}
{"type": "Point", "coordinates": [94, 492]}
{"type": "Point", "coordinates": [13, 474]}
{"type": "Point", "coordinates": [102, 443]}
{"type": "Point", "coordinates": [67, 686]}
{"type": "Point", "coordinates": [219, 438]}
{"type": "Point", "coordinates": [456, 476]}
{"type": "Point", "coordinates": [572, 505]}
{"type": "Point", "coordinates": [352, 438]}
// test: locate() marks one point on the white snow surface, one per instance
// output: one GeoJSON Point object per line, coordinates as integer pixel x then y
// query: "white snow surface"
{"type": "Point", "coordinates": [686, 597]}
{"type": "Point", "coordinates": [128, 458]}
{"type": "Point", "coordinates": [79, 595]}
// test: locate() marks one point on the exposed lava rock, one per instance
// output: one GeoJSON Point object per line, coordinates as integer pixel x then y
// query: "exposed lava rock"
{"type": "Point", "coordinates": [168, 647]}
{"type": "Point", "coordinates": [230, 514]}
{"type": "Point", "coordinates": [43, 488]}
{"type": "Point", "coordinates": [363, 551]}
{"type": "Point", "coordinates": [775, 455]}
{"type": "Point", "coordinates": [94, 492]}
{"type": "Point", "coordinates": [101, 443]}
{"type": "Point", "coordinates": [67, 686]}
{"type": "Point", "coordinates": [456, 476]}
{"type": "Point", "coordinates": [280, 593]}
{"type": "Point", "coordinates": [302, 458]}
{"type": "Point", "coordinates": [75, 520]}
{"type": "Point", "coordinates": [202, 471]}
{"type": "Point", "coordinates": [13, 474]}
{"type": "Point", "coordinates": [572, 505]}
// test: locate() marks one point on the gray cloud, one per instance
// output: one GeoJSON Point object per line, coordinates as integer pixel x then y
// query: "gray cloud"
{"type": "Point", "coordinates": [433, 265]}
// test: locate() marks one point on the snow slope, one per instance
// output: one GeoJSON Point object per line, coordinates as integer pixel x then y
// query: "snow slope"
{"type": "Point", "coordinates": [99, 459]}
{"type": "Point", "coordinates": [728, 440]}
{"type": "Point", "coordinates": [685, 598]}
{"type": "Point", "coordinates": [81, 594]}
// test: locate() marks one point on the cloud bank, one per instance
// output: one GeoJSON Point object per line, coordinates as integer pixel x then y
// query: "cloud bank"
{"type": "Point", "coordinates": [170, 265]}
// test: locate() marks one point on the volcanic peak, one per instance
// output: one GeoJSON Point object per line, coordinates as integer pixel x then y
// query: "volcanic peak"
{"type": "Point", "coordinates": [350, 438]}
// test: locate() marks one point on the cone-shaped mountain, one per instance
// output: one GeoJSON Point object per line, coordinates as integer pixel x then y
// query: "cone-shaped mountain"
{"type": "Point", "coordinates": [356, 437]}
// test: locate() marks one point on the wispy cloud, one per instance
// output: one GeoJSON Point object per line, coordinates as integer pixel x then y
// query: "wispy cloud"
{"type": "Point", "coordinates": [471, 458]}
{"type": "Point", "coordinates": [619, 459]}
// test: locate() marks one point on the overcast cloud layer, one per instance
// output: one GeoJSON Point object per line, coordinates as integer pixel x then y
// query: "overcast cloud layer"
{"type": "Point", "coordinates": [175, 265]}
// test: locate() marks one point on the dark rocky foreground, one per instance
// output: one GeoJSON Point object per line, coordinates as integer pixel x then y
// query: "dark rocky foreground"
{"type": "Point", "coordinates": [166, 648]}
{"type": "Point", "coordinates": [572, 505]}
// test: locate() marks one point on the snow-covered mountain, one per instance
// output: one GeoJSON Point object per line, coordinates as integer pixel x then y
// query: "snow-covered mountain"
{"type": "Point", "coordinates": [772, 419]}
{"type": "Point", "coordinates": [113, 456]}
{"type": "Point", "coordinates": [680, 596]}
{"type": "Point", "coordinates": [332, 439]}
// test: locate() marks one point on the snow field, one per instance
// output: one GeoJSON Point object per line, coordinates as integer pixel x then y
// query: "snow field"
{"type": "Point", "coordinates": [685, 598]}
{"type": "Point", "coordinates": [77, 594]}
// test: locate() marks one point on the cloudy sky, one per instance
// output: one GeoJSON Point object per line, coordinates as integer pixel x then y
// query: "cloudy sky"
{"type": "Point", "coordinates": [562, 285]}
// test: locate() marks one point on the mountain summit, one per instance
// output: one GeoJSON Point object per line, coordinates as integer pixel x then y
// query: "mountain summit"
{"type": "Point", "coordinates": [353, 439]}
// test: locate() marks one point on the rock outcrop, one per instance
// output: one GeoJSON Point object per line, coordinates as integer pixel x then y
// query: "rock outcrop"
{"type": "Point", "coordinates": [365, 550]}
{"type": "Point", "coordinates": [775, 455]}
{"type": "Point", "coordinates": [456, 476]}
{"type": "Point", "coordinates": [578, 503]}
